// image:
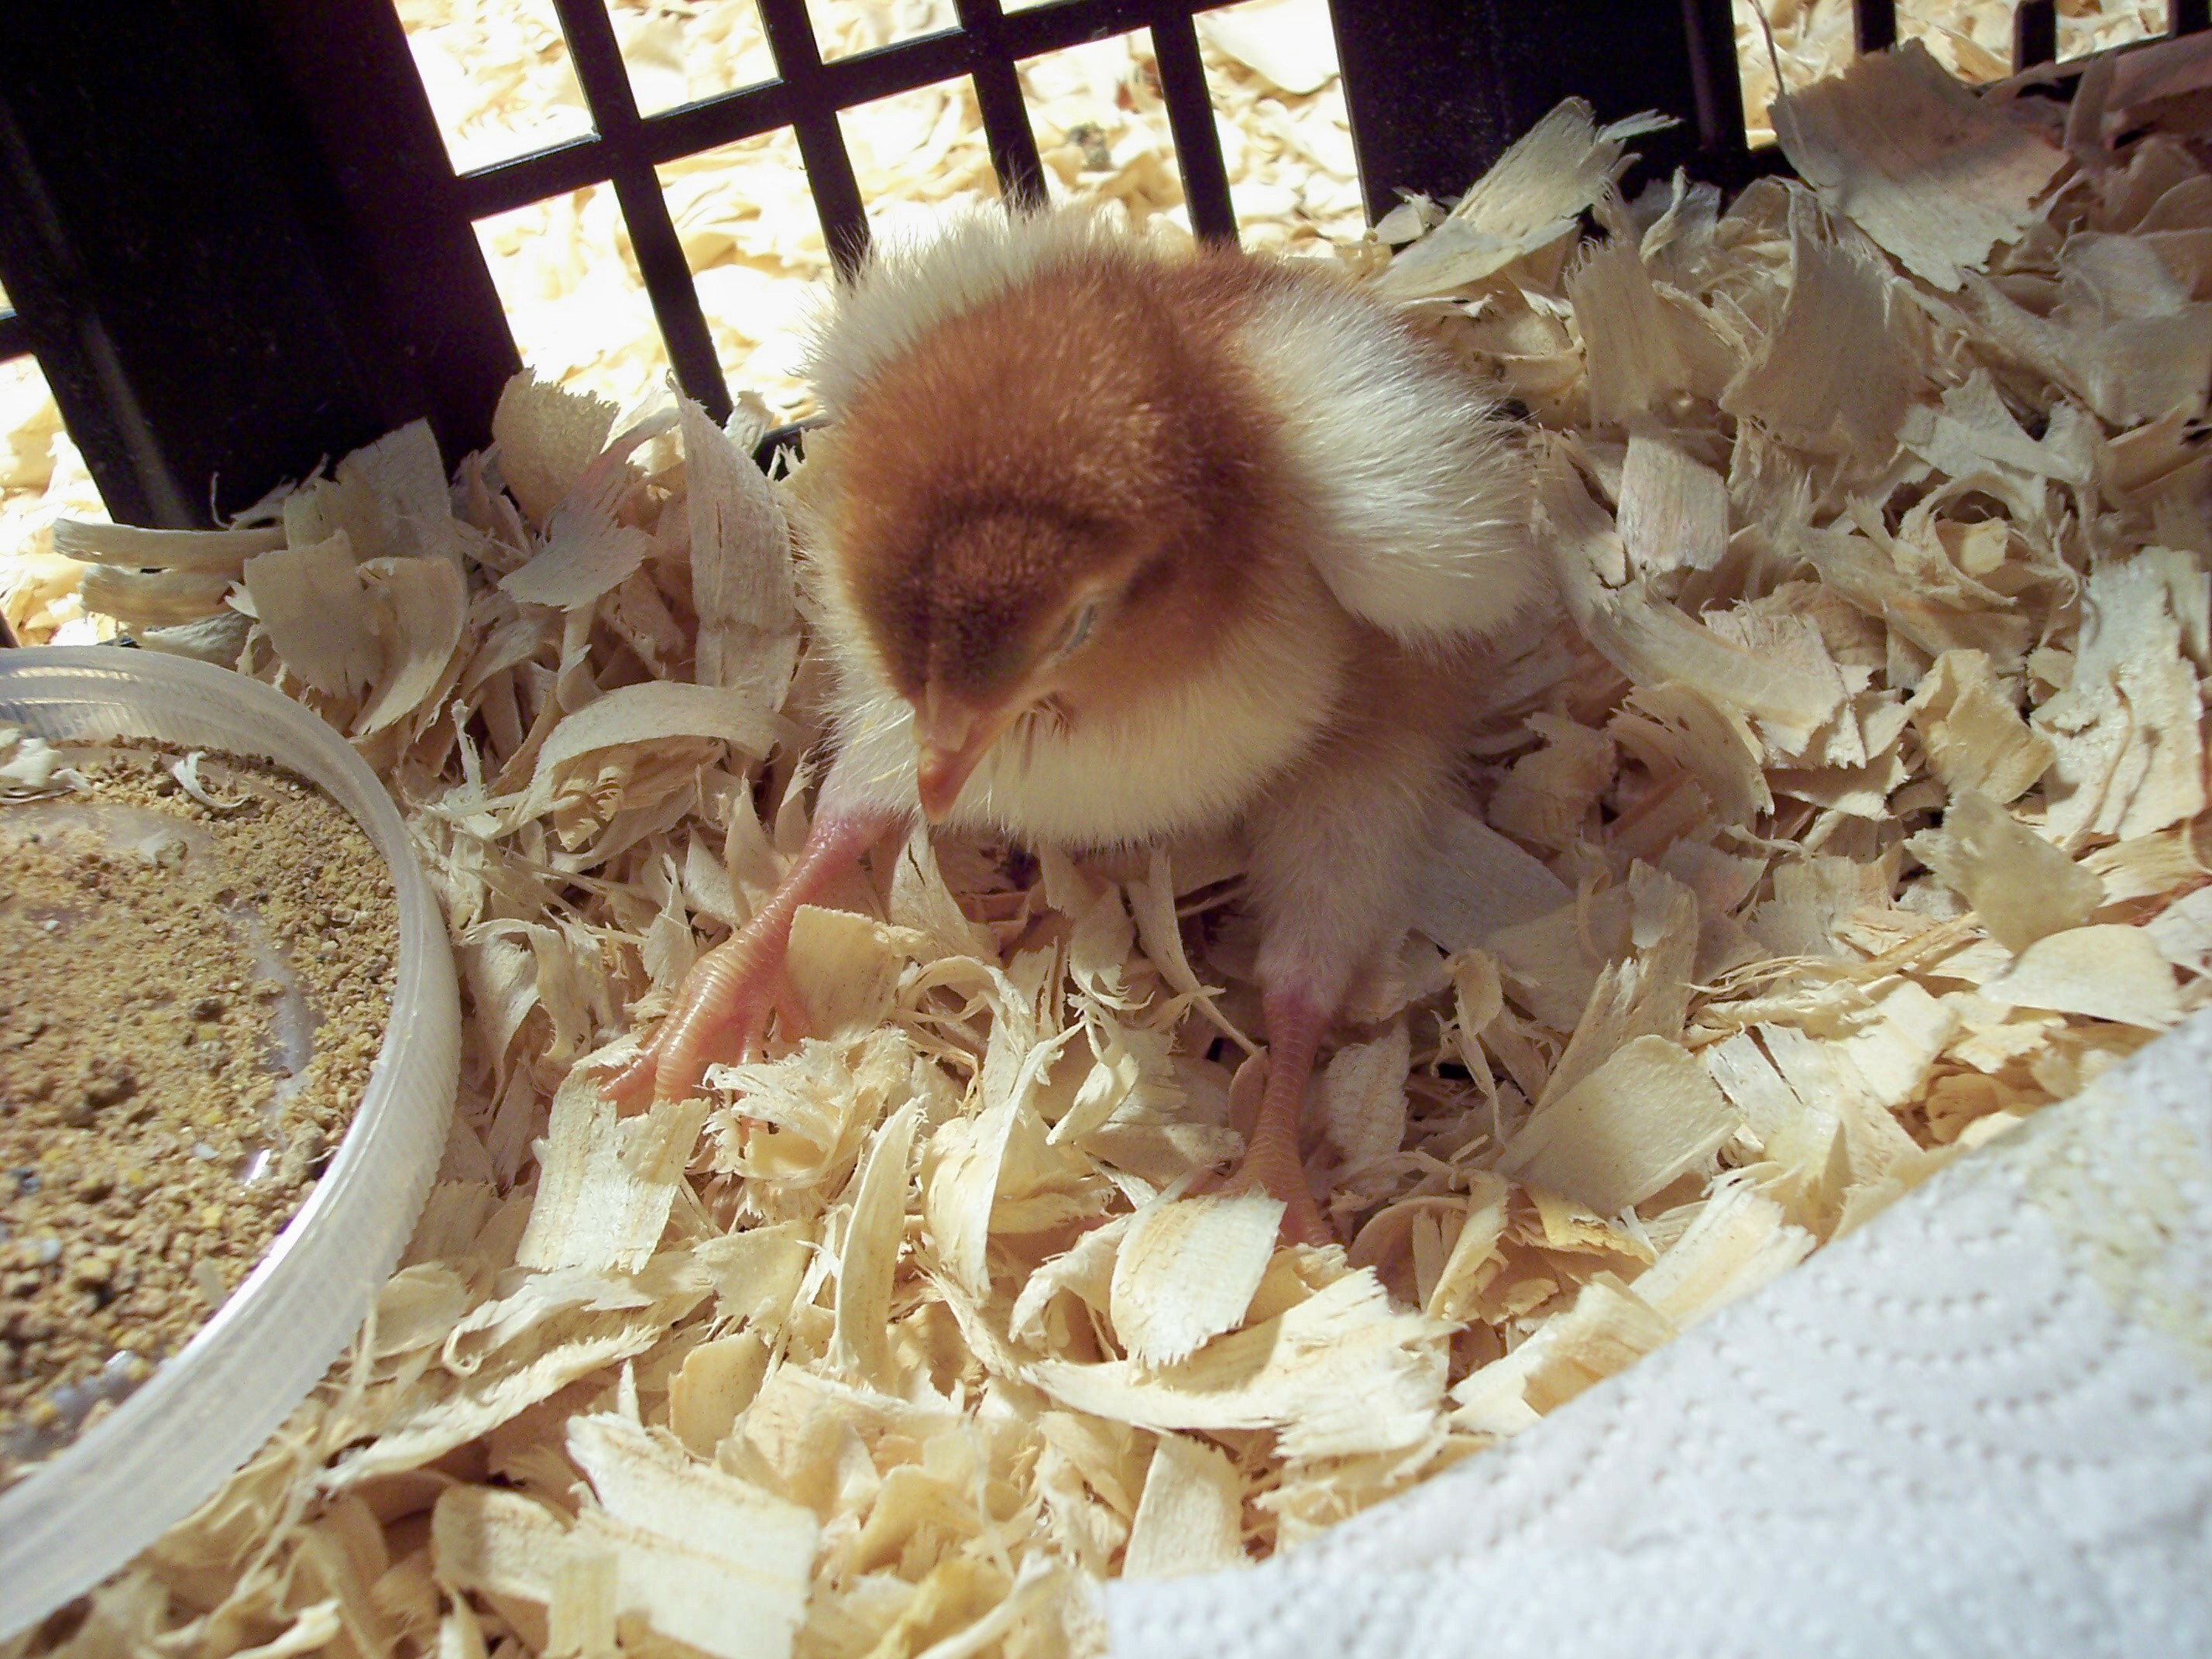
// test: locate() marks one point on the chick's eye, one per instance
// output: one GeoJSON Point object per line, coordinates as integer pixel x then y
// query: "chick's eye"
{"type": "Point", "coordinates": [1074, 631]}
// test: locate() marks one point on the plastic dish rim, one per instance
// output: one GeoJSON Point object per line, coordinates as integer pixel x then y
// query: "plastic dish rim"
{"type": "Point", "coordinates": [78, 1518]}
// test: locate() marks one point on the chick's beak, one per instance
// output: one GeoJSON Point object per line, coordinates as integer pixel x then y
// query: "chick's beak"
{"type": "Point", "coordinates": [950, 740]}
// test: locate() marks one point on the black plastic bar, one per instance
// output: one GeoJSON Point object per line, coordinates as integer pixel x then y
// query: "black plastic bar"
{"type": "Point", "coordinates": [2034, 33]}
{"type": "Point", "coordinates": [605, 81]}
{"type": "Point", "coordinates": [1873, 24]}
{"type": "Point", "coordinates": [999, 98]}
{"type": "Point", "coordinates": [1078, 22]}
{"type": "Point", "coordinates": [377, 184]}
{"type": "Point", "coordinates": [40, 265]}
{"type": "Point", "coordinates": [15, 337]}
{"type": "Point", "coordinates": [1438, 89]}
{"type": "Point", "coordinates": [882, 73]}
{"type": "Point", "coordinates": [1422, 105]}
{"type": "Point", "coordinates": [813, 121]}
{"type": "Point", "coordinates": [505, 185]}
{"type": "Point", "coordinates": [1190, 122]}
{"type": "Point", "coordinates": [2187, 16]}
{"type": "Point", "coordinates": [1716, 82]}
{"type": "Point", "coordinates": [201, 320]}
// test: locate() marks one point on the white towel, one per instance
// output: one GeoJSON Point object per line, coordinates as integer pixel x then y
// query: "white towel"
{"type": "Point", "coordinates": [1980, 1425]}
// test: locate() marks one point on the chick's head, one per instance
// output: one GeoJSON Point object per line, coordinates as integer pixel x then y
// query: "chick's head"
{"type": "Point", "coordinates": [1043, 513]}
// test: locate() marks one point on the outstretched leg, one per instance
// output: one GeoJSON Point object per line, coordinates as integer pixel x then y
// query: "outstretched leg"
{"type": "Point", "coordinates": [1295, 1024]}
{"type": "Point", "coordinates": [731, 991]}
{"type": "Point", "coordinates": [1335, 856]}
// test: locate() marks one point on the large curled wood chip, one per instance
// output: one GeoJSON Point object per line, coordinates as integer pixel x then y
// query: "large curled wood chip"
{"type": "Point", "coordinates": [1848, 807]}
{"type": "Point", "coordinates": [1923, 165]}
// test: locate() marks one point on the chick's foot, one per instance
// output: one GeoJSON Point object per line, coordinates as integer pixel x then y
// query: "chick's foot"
{"type": "Point", "coordinates": [1271, 1160]}
{"type": "Point", "coordinates": [730, 992]}
{"type": "Point", "coordinates": [728, 997]}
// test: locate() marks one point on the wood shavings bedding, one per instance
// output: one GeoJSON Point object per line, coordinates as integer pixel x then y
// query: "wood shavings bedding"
{"type": "Point", "coordinates": [1812, 41]}
{"type": "Point", "coordinates": [1852, 808]}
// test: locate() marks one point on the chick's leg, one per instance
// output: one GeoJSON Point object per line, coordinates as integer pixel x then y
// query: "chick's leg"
{"type": "Point", "coordinates": [1295, 1024]}
{"type": "Point", "coordinates": [731, 991]}
{"type": "Point", "coordinates": [1335, 856]}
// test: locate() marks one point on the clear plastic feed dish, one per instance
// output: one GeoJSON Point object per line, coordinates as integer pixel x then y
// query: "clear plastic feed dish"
{"type": "Point", "coordinates": [135, 1448]}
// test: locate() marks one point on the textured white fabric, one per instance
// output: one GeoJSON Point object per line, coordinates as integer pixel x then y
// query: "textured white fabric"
{"type": "Point", "coordinates": [1981, 1424]}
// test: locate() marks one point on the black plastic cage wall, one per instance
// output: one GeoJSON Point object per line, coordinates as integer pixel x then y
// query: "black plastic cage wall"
{"type": "Point", "coordinates": [236, 245]}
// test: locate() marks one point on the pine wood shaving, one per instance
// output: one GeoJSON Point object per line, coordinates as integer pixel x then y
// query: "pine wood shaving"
{"type": "Point", "coordinates": [132, 548]}
{"type": "Point", "coordinates": [1530, 199]}
{"type": "Point", "coordinates": [1340, 1372]}
{"type": "Point", "coordinates": [1187, 1271]}
{"type": "Point", "coordinates": [2107, 972]}
{"type": "Point", "coordinates": [1191, 1516]}
{"type": "Point", "coordinates": [874, 1230]}
{"type": "Point", "coordinates": [606, 1185]}
{"type": "Point", "coordinates": [1975, 741]}
{"type": "Point", "coordinates": [546, 439]}
{"type": "Point", "coordinates": [1929, 171]}
{"type": "Point", "coordinates": [1796, 383]}
{"type": "Point", "coordinates": [2019, 884]}
{"type": "Point", "coordinates": [1629, 1128]}
{"type": "Point", "coordinates": [1737, 1242]}
{"type": "Point", "coordinates": [699, 1557]}
{"type": "Point", "coordinates": [309, 599]}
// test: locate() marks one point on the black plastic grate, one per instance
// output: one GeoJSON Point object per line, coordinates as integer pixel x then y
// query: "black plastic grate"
{"type": "Point", "coordinates": [2034, 27]}
{"type": "Point", "coordinates": [807, 96]}
{"type": "Point", "coordinates": [1873, 24]}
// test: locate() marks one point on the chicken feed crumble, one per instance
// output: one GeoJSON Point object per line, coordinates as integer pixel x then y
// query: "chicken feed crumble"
{"type": "Point", "coordinates": [198, 959]}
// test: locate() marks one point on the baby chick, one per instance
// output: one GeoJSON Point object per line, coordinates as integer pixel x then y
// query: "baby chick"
{"type": "Point", "coordinates": [1124, 542]}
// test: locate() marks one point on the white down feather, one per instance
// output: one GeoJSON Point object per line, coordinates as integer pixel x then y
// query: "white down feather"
{"type": "Point", "coordinates": [912, 283]}
{"type": "Point", "coordinates": [1421, 510]}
